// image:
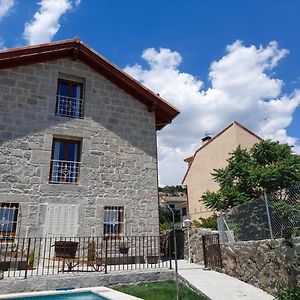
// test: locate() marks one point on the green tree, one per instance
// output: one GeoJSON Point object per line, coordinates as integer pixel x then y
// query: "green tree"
{"type": "Point", "coordinates": [269, 166]}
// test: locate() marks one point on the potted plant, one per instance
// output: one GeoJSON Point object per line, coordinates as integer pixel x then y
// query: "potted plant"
{"type": "Point", "coordinates": [30, 260]}
{"type": "Point", "coordinates": [123, 248]}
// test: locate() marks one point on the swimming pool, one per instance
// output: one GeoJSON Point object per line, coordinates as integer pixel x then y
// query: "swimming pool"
{"type": "Point", "coordinates": [63, 296]}
{"type": "Point", "coordinates": [95, 293]}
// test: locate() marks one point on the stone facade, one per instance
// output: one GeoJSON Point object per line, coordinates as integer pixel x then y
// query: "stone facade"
{"type": "Point", "coordinates": [118, 155]}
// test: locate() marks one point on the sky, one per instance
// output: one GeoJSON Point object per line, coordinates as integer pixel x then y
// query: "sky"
{"type": "Point", "coordinates": [216, 61]}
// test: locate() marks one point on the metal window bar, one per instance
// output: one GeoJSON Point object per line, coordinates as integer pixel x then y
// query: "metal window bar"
{"type": "Point", "coordinates": [113, 222]}
{"type": "Point", "coordinates": [69, 106]}
{"type": "Point", "coordinates": [9, 214]}
{"type": "Point", "coordinates": [63, 171]}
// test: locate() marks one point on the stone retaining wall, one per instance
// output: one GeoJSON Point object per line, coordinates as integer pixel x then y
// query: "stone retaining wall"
{"type": "Point", "coordinates": [260, 263]}
{"type": "Point", "coordinates": [195, 244]}
{"type": "Point", "coordinates": [40, 283]}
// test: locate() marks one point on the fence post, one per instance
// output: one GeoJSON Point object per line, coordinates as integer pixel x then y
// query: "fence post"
{"type": "Point", "coordinates": [170, 249]}
{"type": "Point", "coordinates": [268, 215]}
{"type": "Point", "coordinates": [105, 264]}
{"type": "Point", "coordinates": [204, 250]}
{"type": "Point", "coordinates": [28, 251]}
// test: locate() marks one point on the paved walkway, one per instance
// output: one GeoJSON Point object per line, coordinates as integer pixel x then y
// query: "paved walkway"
{"type": "Point", "coordinates": [218, 286]}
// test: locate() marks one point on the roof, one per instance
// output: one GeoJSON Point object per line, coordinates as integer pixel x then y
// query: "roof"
{"type": "Point", "coordinates": [191, 158]}
{"type": "Point", "coordinates": [77, 49]}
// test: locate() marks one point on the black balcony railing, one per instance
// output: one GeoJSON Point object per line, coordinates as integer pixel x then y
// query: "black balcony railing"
{"type": "Point", "coordinates": [47, 256]}
{"type": "Point", "coordinates": [69, 106]}
{"type": "Point", "coordinates": [63, 171]}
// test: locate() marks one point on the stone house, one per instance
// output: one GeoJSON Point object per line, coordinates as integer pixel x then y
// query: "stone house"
{"type": "Point", "coordinates": [78, 153]}
{"type": "Point", "coordinates": [212, 154]}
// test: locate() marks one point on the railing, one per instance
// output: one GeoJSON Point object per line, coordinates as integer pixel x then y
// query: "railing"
{"type": "Point", "coordinates": [48, 256]}
{"type": "Point", "coordinates": [69, 106]}
{"type": "Point", "coordinates": [62, 171]}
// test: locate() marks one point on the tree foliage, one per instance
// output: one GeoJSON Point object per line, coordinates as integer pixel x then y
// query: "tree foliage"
{"type": "Point", "coordinates": [269, 166]}
{"type": "Point", "coordinates": [173, 190]}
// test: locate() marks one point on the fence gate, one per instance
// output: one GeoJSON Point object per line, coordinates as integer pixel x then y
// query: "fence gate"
{"type": "Point", "coordinates": [212, 251]}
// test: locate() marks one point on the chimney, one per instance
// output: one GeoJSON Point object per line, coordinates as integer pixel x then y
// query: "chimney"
{"type": "Point", "coordinates": [206, 139]}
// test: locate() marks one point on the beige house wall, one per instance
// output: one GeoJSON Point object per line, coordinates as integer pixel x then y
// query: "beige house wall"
{"type": "Point", "coordinates": [213, 156]}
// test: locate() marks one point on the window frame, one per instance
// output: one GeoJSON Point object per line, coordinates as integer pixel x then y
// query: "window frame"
{"type": "Point", "coordinates": [120, 223]}
{"type": "Point", "coordinates": [5, 235]}
{"type": "Point", "coordinates": [69, 83]}
{"type": "Point", "coordinates": [78, 158]}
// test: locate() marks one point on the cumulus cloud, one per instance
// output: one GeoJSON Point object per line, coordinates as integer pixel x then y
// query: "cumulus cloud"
{"type": "Point", "coordinates": [5, 7]}
{"type": "Point", "coordinates": [45, 23]}
{"type": "Point", "coordinates": [241, 87]}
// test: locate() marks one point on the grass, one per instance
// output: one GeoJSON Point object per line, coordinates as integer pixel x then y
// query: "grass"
{"type": "Point", "coordinates": [165, 290]}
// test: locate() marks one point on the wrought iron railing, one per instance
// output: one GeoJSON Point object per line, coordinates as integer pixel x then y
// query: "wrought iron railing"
{"type": "Point", "coordinates": [47, 256]}
{"type": "Point", "coordinates": [69, 106]}
{"type": "Point", "coordinates": [62, 171]}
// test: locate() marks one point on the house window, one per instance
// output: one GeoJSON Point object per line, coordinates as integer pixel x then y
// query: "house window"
{"type": "Point", "coordinates": [61, 220]}
{"type": "Point", "coordinates": [8, 220]}
{"type": "Point", "coordinates": [65, 161]}
{"type": "Point", "coordinates": [113, 221]}
{"type": "Point", "coordinates": [183, 211]}
{"type": "Point", "coordinates": [69, 99]}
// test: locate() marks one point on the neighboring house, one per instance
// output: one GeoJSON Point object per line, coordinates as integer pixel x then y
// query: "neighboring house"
{"type": "Point", "coordinates": [77, 145]}
{"type": "Point", "coordinates": [177, 203]}
{"type": "Point", "coordinates": [212, 154]}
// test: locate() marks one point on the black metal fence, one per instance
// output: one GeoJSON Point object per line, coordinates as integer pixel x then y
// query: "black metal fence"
{"type": "Point", "coordinates": [25, 257]}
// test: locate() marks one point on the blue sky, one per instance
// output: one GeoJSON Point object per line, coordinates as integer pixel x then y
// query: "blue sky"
{"type": "Point", "coordinates": [193, 35]}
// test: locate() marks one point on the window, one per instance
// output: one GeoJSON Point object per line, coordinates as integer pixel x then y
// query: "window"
{"type": "Point", "coordinates": [8, 220]}
{"type": "Point", "coordinates": [65, 162]}
{"type": "Point", "coordinates": [61, 220]}
{"type": "Point", "coordinates": [69, 99]}
{"type": "Point", "coordinates": [113, 221]}
{"type": "Point", "coordinates": [183, 211]}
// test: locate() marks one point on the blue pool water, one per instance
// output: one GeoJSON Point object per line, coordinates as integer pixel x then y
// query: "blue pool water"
{"type": "Point", "coordinates": [63, 296]}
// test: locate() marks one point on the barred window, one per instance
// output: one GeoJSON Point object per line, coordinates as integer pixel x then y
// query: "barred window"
{"type": "Point", "coordinates": [65, 162]}
{"type": "Point", "coordinates": [8, 220]}
{"type": "Point", "coordinates": [69, 99]}
{"type": "Point", "coordinates": [113, 221]}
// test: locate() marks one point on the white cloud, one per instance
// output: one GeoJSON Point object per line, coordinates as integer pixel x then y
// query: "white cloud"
{"type": "Point", "coordinates": [45, 23]}
{"type": "Point", "coordinates": [241, 88]}
{"type": "Point", "coordinates": [5, 7]}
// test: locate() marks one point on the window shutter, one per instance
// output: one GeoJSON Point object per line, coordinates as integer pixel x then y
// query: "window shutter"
{"type": "Point", "coordinates": [61, 220]}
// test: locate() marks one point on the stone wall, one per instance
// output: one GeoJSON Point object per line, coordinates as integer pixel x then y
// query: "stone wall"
{"type": "Point", "coordinates": [118, 159]}
{"type": "Point", "coordinates": [196, 248]}
{"type": "Point", "coordinates": [43, 283]}
{"type": "Point", "coordinates": [260, 263]}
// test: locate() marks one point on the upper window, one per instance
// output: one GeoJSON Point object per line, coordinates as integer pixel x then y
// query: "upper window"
{"type": "Point", "coordinates": [8, 220]}
{"type": "Point", "coordinates": [69, 100]}
{"type": "Point", "coordinates": [113, 221]}
{"type": "Point", "coordinates": [65, 162]}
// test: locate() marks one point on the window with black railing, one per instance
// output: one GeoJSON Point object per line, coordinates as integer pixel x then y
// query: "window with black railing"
{"type": "Point", "coordinates": [69, 99]}
{"type": "Point", "coordinates": [65, 161]}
